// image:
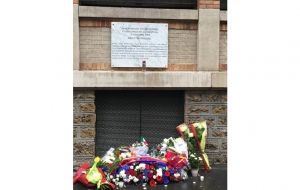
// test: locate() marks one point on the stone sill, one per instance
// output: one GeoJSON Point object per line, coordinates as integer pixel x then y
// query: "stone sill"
{"type": "Point", "coordinates": [149, 79]}
{"type": "Point", "coordinates": [143, 13]}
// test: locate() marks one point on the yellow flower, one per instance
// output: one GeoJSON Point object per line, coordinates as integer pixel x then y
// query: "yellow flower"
{"type": "Point", "coordinates": [97, 159]}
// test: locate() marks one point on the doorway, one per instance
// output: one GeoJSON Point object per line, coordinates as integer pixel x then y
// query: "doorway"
{"type": "Point", "coordinates": [124, 116]}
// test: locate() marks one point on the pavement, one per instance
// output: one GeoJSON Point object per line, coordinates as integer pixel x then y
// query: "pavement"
{"type": "Point", "coordinates": [216, 179]}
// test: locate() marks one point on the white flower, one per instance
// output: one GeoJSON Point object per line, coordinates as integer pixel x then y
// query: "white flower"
{"type": "Point", "coordinates": [130, 177]}
{"type": "Point", "coordinates": [121, 184]}
{"type": "Point", "coordinates": [166, 141]}
{"type": "Point", "coordinates": [154, 177]}
{"type": "Point", "coordinates": [118, 175]}
{"type": "Point", "coordinates": [159, 173]}
{"type": "Point", "coordinates": [142, 166]}
{"type": "Point", "coordinates": [131, 167]}
{"type": "Point", "coordinates": [122, 174]}
{"type": "Point", "coordinates": [176, 175]}
{"type": "Point", "coordinates": [135, 179]}
{"type": "Point", "coordinates": [111, 176]}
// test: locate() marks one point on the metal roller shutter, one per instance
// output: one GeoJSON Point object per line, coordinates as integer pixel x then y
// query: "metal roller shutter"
{"type": "Point", "coordinates": [123, 116]}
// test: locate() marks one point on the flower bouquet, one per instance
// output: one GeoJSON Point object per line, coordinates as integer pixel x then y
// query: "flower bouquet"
{"type": "Point", "coordinates": [146, 170]}
{"type": "Point", "coordinates": [194, 163]}
{"type": "Point", "coordinates": [133, 165]}
{"type": "Point", "coordinates": [140, 148]}
{"type": "Point", "coordinates": [174, 151]}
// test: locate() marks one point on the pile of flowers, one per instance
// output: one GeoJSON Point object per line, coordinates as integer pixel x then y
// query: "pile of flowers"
{"type": "Point", "coordinates": [146, 170]}
{"type": "Point", "coordinates": [168, 162]}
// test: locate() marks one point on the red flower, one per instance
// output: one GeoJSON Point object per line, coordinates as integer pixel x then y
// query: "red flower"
{"type": "Point", "coordinates": [131, 172]}
{"type": "Point", "coordinates": [151, 167]}
{"type": "Point", "coordinates": [154, 172]}
{"type": "Point", "coordinates": [150, 175]}
{"type": "Point", "coordinates": [140, 176]}
{"type": "Point", "coordinates": [152, 183]}
{"type": "Point", "coordinates": [159, 178]}
{"type": "Point", "coordinates": [167, 173]}
{"type": "Point", "coordinates": [147, 167]}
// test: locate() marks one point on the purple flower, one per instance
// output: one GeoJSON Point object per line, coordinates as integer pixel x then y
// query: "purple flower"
{"type": "Point", "coordinates": [166, 180]}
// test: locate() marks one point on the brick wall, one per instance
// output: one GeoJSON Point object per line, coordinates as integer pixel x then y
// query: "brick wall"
{"type": "Point", "coordinates": [209, 4]}
{"type": "Point", "coordinates": [210, 105]}
{"type": "Point", "coordinates": [223, 46]}
{"type": "Point", "coordinates": [95, 46]}
{"type": "Point", "coordinates": [84, 126]}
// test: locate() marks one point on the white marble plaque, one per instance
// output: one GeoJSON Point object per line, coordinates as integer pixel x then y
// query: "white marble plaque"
{"type": "Point", "coordinates": [138, 44]}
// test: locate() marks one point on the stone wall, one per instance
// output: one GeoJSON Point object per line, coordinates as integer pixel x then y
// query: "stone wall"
{"type": "Point", "coordinates": [210, 105]}
{"type": "Point", "coordinates": [84, 121]}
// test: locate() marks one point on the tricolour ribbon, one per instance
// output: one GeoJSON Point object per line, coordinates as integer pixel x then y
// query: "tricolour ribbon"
{"type": "Point", "coordinates": [199, 132]}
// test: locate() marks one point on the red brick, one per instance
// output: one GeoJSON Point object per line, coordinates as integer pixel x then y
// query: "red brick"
{"type": "Point", "coordinates": [107, 23]}
{"type": "Point", "coordinates": [223, 67]}
{"type": "Point", "coordinates": [182, 67]}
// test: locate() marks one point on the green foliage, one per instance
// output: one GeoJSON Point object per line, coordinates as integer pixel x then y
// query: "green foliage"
{"type": "Point", "coordinates": [101, 164]}
{"type": "Point", "coordinates": [114, 165]}
{"type": "Point", "coordinates": [194, 161]}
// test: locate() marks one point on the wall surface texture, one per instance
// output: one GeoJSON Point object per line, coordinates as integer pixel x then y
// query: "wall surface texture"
{"type": "Point", "coordinates": [84, 120]}
{"type": "Point", "coordinates": [210, 105]}
{"type": "Point", "coordinates": [95, 45]}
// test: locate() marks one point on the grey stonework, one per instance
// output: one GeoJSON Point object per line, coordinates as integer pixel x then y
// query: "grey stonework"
{"type": "Point", "coordinates": [210, 105]}
{"type": "Point", "coordinates": [84, 120]}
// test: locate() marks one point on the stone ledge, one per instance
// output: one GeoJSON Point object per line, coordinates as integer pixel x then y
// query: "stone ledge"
{"type": "Point", "coordinates": [148, 79]}
{"type": "Point", "coordinates": [219, 79]}
{"type": "Point", "coordinates": [144, 13]}
{"type": "Point", "coordinates": [223, 15]}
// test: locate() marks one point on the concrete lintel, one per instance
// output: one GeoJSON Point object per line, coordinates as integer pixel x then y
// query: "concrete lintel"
{"type": "Point", "coordinates": [148, 79]}
{"type": "Point", "coordinates": [143, 13]}
{"type": "Point", "coordinates": [223, 15]}
{"type": "Point", "coordinates": [219, 79]}
{"type": "Point", "coordinates": [208, 39]}
{"type": "Point", "coordinates": [76, 51]}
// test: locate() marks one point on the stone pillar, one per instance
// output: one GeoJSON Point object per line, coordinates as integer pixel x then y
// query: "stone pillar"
{"type": "Point", "coordinates": [223, 46]}
{"type": "Point", "coordinates": [210, 105]}
{"type": "Point", "coordinates": [76, 58]}
{"type": "Point", "coordinates": [84, 122]}
{"type": "Point", "coordinates": [208, 35]}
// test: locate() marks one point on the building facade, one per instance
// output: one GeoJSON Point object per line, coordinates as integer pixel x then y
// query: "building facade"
{"type": "Point", "coordinates": [117, 105]}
